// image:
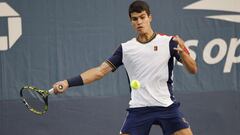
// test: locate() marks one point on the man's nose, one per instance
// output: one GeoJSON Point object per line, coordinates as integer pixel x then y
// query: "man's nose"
{"type": "Point", "coordinates": [139, 21]}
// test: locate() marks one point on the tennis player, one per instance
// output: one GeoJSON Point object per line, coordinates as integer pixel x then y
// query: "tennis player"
{"type": "Point", "coordinates": [148, 58]}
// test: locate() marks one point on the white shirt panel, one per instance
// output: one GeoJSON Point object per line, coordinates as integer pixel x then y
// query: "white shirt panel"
{"type": "Point", "coordinates": [148, 63]}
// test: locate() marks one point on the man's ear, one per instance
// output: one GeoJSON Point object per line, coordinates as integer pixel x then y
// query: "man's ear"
{"type": "Point", "coordinates": [150, 17]}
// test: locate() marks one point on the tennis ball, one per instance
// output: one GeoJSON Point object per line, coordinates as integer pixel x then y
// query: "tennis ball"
{"type": "Point", "coordinates": [135, 84]}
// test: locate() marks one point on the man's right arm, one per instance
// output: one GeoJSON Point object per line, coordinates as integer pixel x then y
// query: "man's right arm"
{"type": "Point", "coordinates": [93, 74]}
{"type": "Point", "coordinates": [86, 77]}
{"type": "Point", "coordinates": [96, 73]}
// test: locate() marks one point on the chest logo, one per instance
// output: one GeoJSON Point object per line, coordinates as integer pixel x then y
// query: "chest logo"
{"type": "Point", "coordinates": [155, 48]}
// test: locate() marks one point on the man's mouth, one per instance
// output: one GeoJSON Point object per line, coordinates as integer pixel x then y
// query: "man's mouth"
{"type": "Point", "coordinates": [140, 27]}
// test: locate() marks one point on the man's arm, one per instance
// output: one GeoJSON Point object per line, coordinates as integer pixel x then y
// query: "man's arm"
{"type": "Point", "coordinates": [187, 60]}
{"type": "Point", "coordinates": [96, 73]}
{"type": "Point", "coordinates": [86, 77]}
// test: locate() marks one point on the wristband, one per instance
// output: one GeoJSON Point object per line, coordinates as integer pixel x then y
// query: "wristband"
{"type": "Point", "coordinates": [186, 50]}
{"type": "Point", "coordinates": [75, 81]}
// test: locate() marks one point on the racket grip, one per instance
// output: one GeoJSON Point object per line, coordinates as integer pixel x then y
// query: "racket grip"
{"type": "Point", "coordinates": [51, 91]}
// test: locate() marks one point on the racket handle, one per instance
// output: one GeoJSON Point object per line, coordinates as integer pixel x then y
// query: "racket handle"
{"type": "Point", "coordinates": [51, 91]}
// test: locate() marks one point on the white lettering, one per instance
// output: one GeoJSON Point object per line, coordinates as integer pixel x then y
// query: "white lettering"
{"type": "Point", "coordinates": [208, 49]}
{"type": "Point", "coordinates": [14, 26]}
{"type": "Point", "coordinates": [231, 58]}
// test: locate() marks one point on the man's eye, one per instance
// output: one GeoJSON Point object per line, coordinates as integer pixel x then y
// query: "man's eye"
{"type": "Point", "coordinates": [142, 17]}
{"type": "Point", "coordinates": [134, 19]}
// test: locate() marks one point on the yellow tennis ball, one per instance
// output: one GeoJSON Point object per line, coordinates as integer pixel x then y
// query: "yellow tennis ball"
{"type": "Point", "coordinates": [135, 84]}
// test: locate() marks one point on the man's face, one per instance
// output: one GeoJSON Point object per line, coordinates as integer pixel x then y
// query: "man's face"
{"type": "Point", "coordinates": [141, 22]}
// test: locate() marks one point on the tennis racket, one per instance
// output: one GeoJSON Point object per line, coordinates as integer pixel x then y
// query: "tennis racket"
{"type": "Point", "coordinates": [36, 100]}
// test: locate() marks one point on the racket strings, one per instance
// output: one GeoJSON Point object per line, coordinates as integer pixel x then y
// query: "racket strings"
{"type": "Point", "coordinates": [34, 100]}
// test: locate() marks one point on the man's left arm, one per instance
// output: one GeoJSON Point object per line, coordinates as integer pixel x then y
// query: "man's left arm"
{"type": "Point", "coordinates": [186, 59]}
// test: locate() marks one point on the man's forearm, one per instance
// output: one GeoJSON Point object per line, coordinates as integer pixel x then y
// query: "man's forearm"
{"type": "Point", "coordinates": [188, 62]}
{"type": "Point", "coordinates": [91, 75]}
{"type": "Point", "coordinates": [96, 73]}
{"type": "Point", "coordinates": [86, 77]}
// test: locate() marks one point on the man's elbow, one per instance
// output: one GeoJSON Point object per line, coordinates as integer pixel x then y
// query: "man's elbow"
{"type": "Point", "coordinates": [193, 70]}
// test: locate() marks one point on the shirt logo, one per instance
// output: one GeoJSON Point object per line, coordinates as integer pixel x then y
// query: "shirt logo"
{"type": "Point", "coordinates": [155, 48]}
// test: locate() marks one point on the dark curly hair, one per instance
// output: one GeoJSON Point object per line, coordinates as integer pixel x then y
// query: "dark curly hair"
{"type": "Point", "coordinates": [138, 6]}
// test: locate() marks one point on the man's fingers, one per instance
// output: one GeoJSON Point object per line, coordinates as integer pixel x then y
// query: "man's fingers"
{"type": "Point", "coordinates": [58, 88]}
{"type": "Point", "coordinates": [55, 88]}
{"type": "Point", "coordinates": [176, 39]}
{"type": "Point", "coordinates": [178, 49]}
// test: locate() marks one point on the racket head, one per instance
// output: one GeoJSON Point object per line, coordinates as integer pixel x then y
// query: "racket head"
{"type": "Point", "coordinates": [36, 100]}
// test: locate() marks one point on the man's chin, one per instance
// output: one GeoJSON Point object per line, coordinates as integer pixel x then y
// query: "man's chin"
{"type": "Point", "coordinates": [141, 32]}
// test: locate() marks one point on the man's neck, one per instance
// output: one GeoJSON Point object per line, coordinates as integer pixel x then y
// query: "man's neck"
{"type": "Point", "coordinates": [146, 37]}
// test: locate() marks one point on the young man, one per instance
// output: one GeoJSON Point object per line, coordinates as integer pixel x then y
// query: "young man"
{"type": "Point", "coordinates": [148, 58]}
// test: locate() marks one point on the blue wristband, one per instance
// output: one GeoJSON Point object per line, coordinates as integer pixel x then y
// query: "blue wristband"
{"type": "Point", "coordinates": [75, 81]}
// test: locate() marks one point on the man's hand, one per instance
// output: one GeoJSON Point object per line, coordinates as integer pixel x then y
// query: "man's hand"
{"type": "Point", "coordinates": [60, 87]}
{"type": "Point", "coordinates": [186, 59]}
{"type": "Point", "coordinates": [181, 47]}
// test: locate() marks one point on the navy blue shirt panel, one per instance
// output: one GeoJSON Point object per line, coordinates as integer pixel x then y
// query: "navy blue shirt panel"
{"type": "Point", "coordinates": [173, 44]}
{"type": "Point", "coordinates": [116, 59]}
